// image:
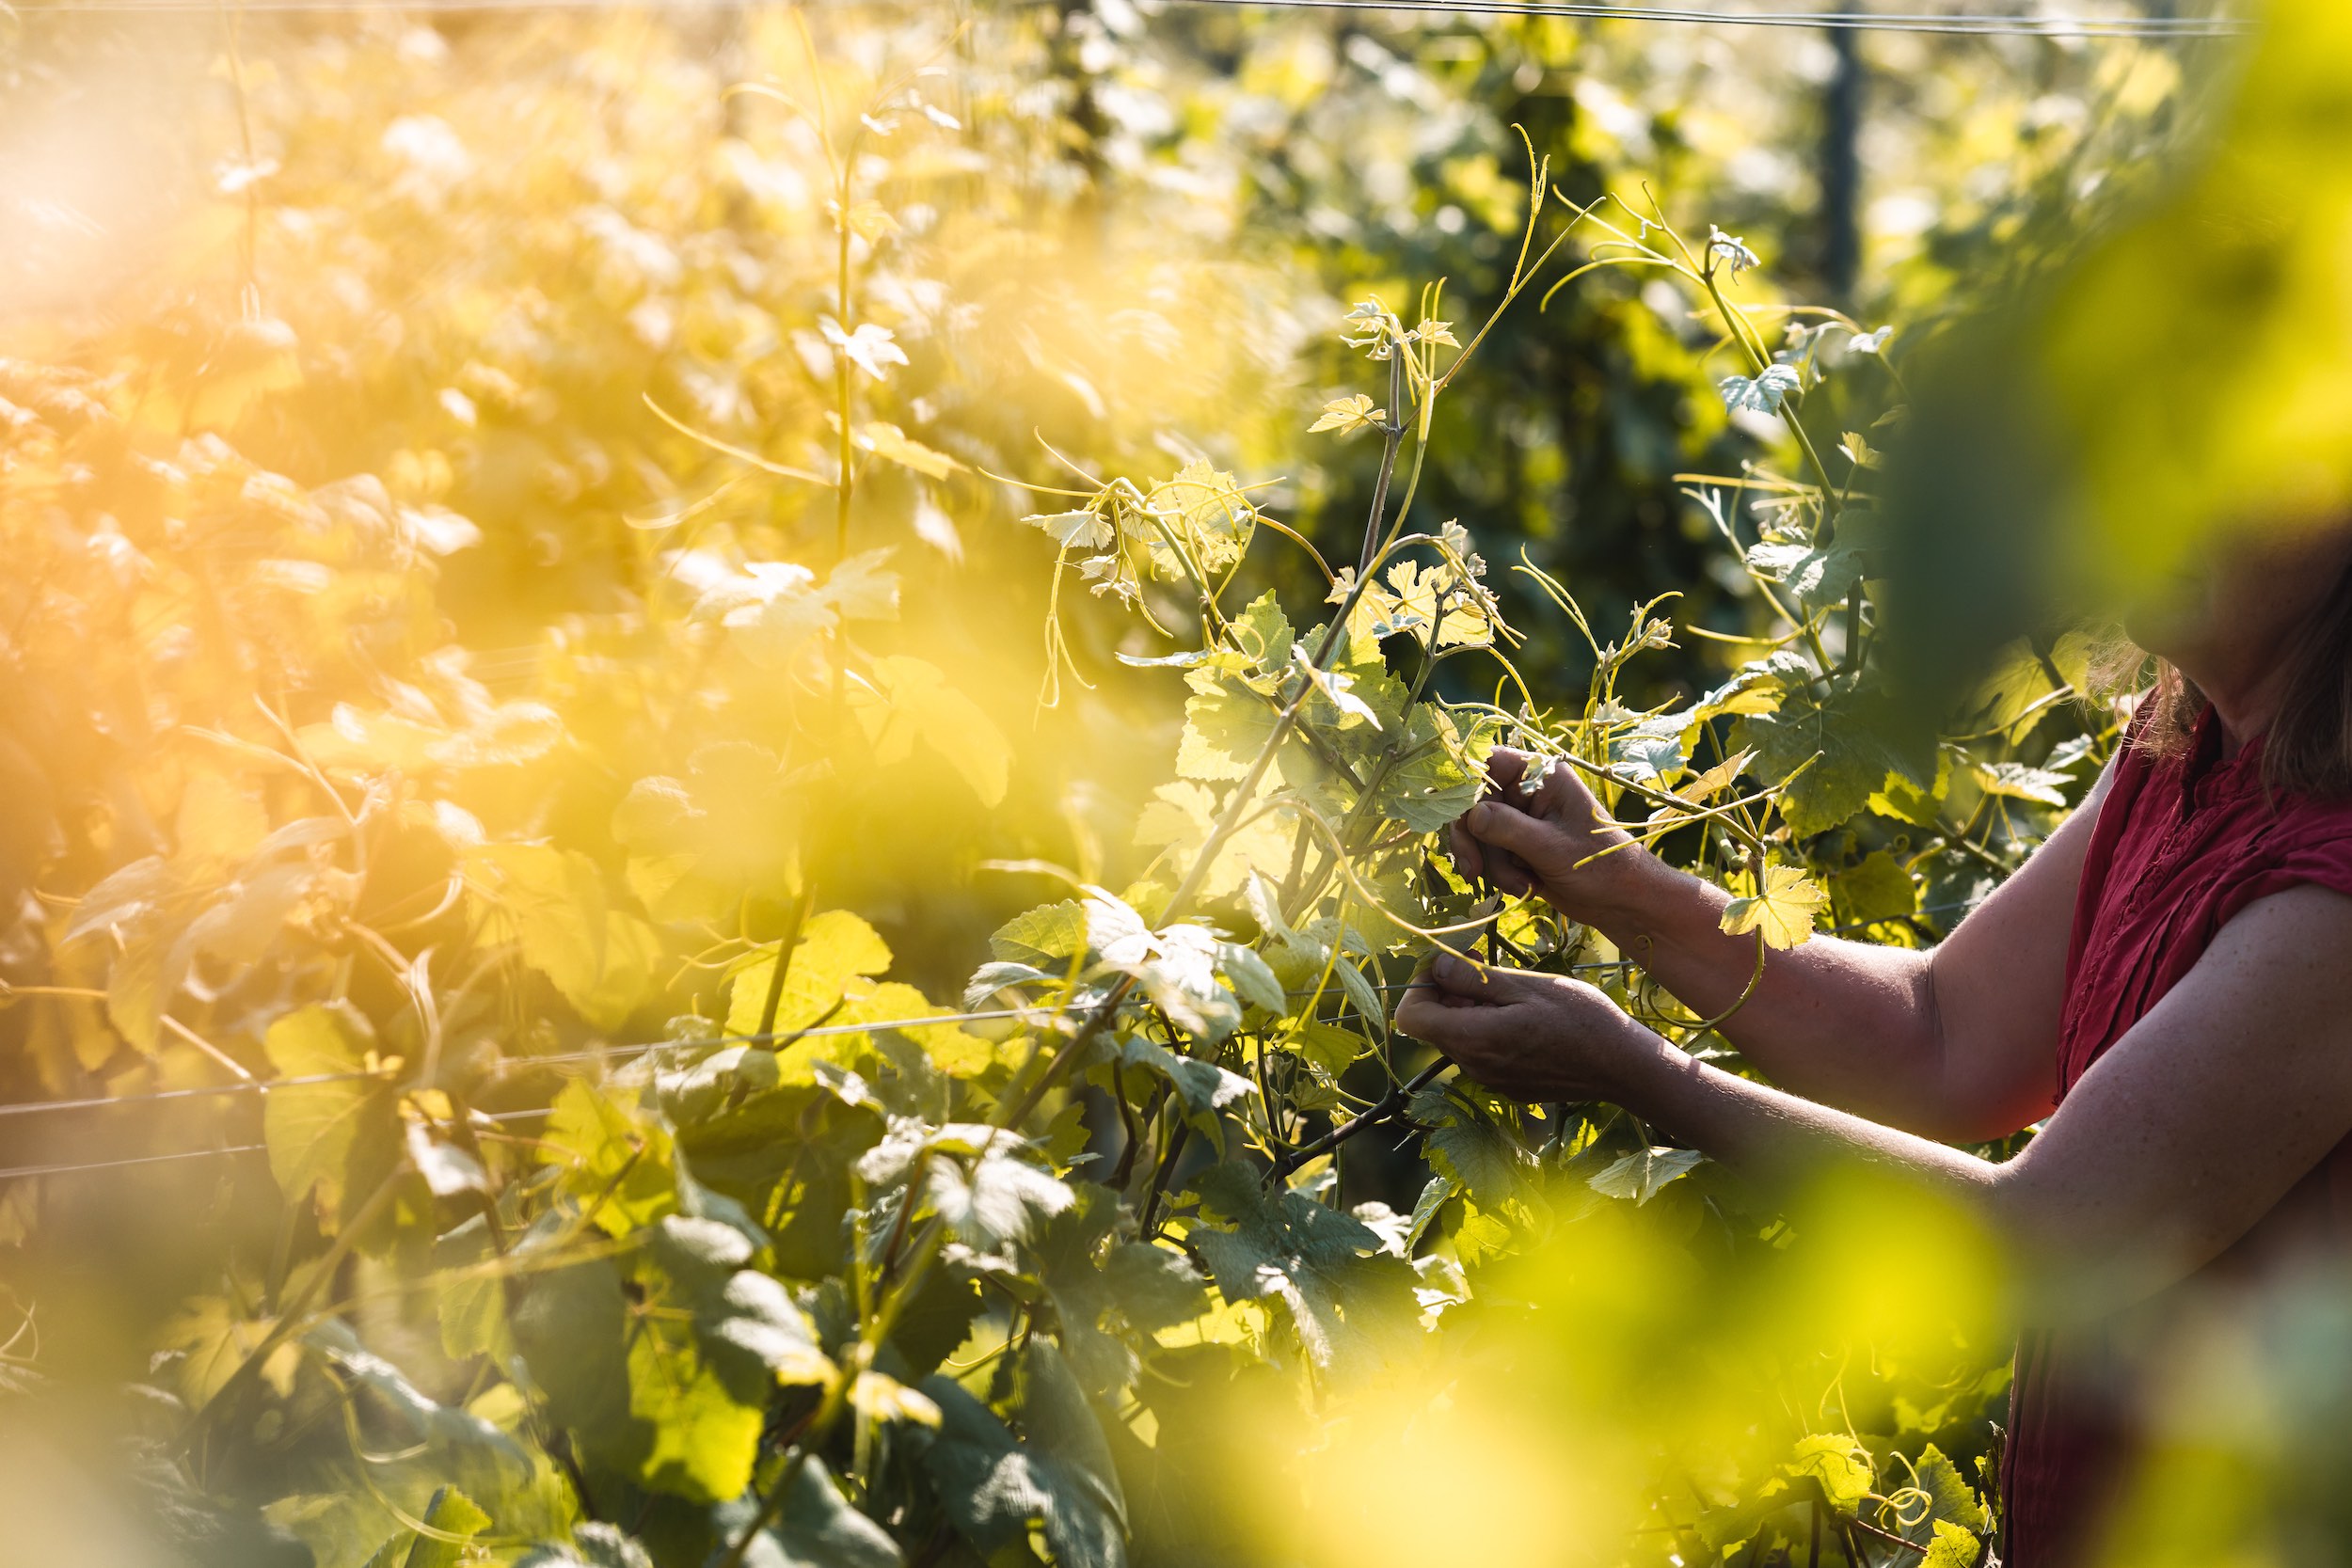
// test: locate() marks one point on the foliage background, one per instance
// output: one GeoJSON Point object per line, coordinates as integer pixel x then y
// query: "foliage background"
{"type": "Point", "coordinates": [338, 352]}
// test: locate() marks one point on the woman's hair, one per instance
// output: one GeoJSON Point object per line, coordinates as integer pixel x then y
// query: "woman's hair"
{"type": "Point", "coordinates": [2307, 748]}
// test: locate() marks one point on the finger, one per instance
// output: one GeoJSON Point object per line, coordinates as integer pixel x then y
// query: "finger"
{"type": "Point", "coordinates": [1468, 859]}
{"type": "Point", "coordinates": [1508, 872]}
{"type": "Point", "coordinates": [1462, 980]}
{"type": "Point", "coordinates": [1507, 767]}
{"type": "Point", "coordinates": [1434, 1018]}
{"type": "Point", "coordinates": [1562, 793]}
{"type": "Point", "coordinates": [1510, 828]}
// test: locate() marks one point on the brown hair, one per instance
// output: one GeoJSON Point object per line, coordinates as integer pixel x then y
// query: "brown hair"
{"type": "Point", "coordinates": [2307, 748]}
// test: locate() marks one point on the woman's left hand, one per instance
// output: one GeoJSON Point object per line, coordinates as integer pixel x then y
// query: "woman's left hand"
{"type": "Point", "coordinates": [1531, 1037]}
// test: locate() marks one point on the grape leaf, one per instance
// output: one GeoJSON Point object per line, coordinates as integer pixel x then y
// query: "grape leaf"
{"type": "Point", "coordinates": [912, 701]}
{"type": "Point", "coordinates": [1329, 1270]}
{"type": "Point", "coordinates": [1640, 1174]}
{"type": "Point", "coordinates": [834, 948]}
{"type": "Point", "coordinates": [341, 1139]}
{"type": "Point", "coordinates": [1783, 909]}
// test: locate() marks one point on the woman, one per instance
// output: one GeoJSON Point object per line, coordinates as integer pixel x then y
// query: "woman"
{"type": "Point", "coordinates": [2166, 981]}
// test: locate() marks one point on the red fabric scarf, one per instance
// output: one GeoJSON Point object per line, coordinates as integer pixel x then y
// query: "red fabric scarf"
{"type": "Point", "coordinates": [2182, 845]}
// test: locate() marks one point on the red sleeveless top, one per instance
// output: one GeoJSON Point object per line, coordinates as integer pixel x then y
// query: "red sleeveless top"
{"type": "Point", "coordinates": [2181, 845]}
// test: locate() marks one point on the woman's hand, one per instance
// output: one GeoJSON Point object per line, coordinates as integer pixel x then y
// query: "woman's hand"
{"type": "Point", "coordinates": [1531, 1037]}
{"type": "Point", "coordinates": [1531, 840]}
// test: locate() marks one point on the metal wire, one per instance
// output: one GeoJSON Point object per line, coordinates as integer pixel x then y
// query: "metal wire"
{"type": "Point", "coordinates": [628, 1051]}
{"type": "Point", "coordinates": [1951, 23]}
{"type": "Point", "coordinates": [71, 1169]}
{"type": "Point", "coordinates": [602, 1054]}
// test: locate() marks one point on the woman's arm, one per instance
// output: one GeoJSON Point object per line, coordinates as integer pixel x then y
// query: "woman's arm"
{"type": "Point", "coordinates": [2175, 1141]}
{"type": "Point", "coordinates": [1957, 1043]}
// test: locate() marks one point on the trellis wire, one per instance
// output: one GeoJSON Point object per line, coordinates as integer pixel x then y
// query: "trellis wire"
{"type": "Point", "coordinates": [178, 1154]}
{"type": "Point", "coordinates": [1949, 23]}
{"type": "Point", "coordinates": [630, 1051]}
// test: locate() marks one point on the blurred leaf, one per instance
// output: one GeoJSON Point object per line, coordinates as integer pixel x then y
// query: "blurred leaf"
{"type": "Point", "coordinates": [915, 703]}
{"type": "Point", "coordinates": [451, 1513]}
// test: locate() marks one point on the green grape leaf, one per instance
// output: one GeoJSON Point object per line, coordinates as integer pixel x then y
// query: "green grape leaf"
{"type": "Point", "coordinates": [603, 961]}
{"type": "Point", "coordinates": [818, 1529]}
{"type": "Point", "coordinates": [2014, 780]}
{"type": "Point", "coordinates": [1226, 725]}
{"type": "Point", "coordinates": [1878, 889]}
{"type": "Point", "coordinates": [1761, 393]}
{"type": "Point", "coordinates": [471, 1308]}
{"type": "Point", "coordinates": [1251, 978]}
{"type": "Point", "coordinates": [1001, 1198]}
{"type": "Point", "coordinates": [1951, 1547]}
{"type": "Point", "coordinates": [1208, 514]}
{"type": "Point", "coordinates": [620, 1158]}
{"type": "Point", "coordinates": [1154, 1286]}
{"type": "Point", "coordinates": [1782, 910]}
{"type": "Point", "coordinates": [704, 1438]}
{"type": "Point", "coordinates": [1203, 1086]}
{"type": "Point", "coordinates": [1061, 1479]}
{"type": "Point", "coordinates": [1331, 1049]}
{"type": "Point", "coordinates": [1640, 1174]}
{"type": "Point", "coordinates": [1436, 777]}
{"type": "Point", "coordinates": [1951, 1500]}
{"type": "Point", "coordinates": [1048, 936]}
{"type": "Point", "coordinates": [1854, 743]}
{"type": "Point", "coordinates": [426, 1420]}
{"type": "Point", "coordinates": [341, 1139]}
{"type": "Point", "coordinates": [1330, 1271]}
{"type": "Point", "coordinates": [572, 1325]}
{"type": "Point", "coordinates": [1819, 574]}
{"type": "Point", "coordinates": [1263, 633]}
{"type": "Point", "coordinates": [1477, 1156]}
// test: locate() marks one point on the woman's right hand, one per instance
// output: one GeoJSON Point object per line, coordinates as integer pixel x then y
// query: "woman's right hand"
{"type": "Point", "coordinates": [1531, 840]}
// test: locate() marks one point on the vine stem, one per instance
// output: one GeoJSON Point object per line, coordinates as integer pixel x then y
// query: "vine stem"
{"type": "Point", "coordinates": [791, 940]}
{"type": "Point", "coordinates": [1387, 1105]}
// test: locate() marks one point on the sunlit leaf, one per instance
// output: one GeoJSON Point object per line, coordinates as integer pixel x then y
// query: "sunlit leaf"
{"type": "Point", "coordinates": [1782, 910]}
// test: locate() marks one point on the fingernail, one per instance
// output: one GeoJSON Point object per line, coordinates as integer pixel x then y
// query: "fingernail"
{"type": "Point", "coordinates": [1480, 815]}
{"type": "Point", "coordinates": [1448, 967]}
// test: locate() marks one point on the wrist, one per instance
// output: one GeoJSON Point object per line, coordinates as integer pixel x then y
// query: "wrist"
{"type": "Point", "coordinates": [1618, 891]}
{"type": "Point", "coordinates": [1636, 1065]}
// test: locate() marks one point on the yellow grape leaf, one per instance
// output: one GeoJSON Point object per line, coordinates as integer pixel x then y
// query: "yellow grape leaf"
{"type": "Point", "coordinates": [835, 947]}
{"type": "Point", "coordinates": [619, 1156]}
{"type": "Point", "coordinates": [955, 1051]}
{"type": "Point", "coordinates": [886, 440]}
{"type": "Point", "coordinates": [1348, 416]}
{"type": "Point", "coordinates": [1718, 778]}
{"type": "Point", "coordinates": [1783, 911]}
{"type": "Point", "coordinates": [915, 703]}
{"type": "Point", "coordinates": [1841, 1466]}
{"type": "Point", "coordinates": [1953, 1547]}
{"type": "Point", "coordinates": [554, 901]}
